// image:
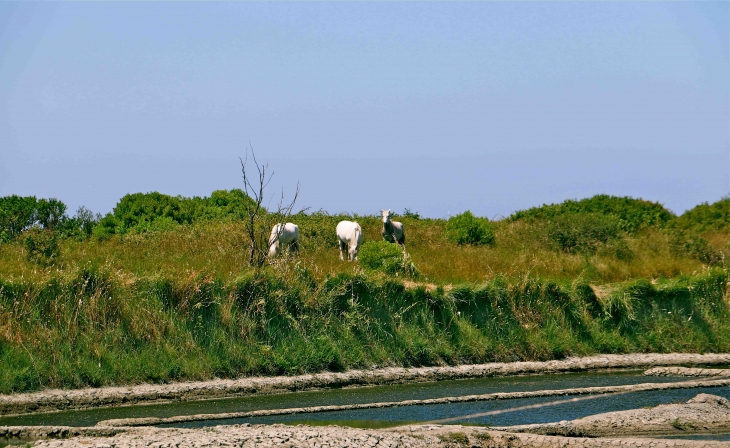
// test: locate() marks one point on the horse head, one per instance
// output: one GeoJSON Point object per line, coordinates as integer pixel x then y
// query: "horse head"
{"type": "Point", "coordinates": [386, 216]}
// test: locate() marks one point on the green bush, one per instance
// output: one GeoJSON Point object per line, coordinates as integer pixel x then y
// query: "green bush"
{"type": "Point", "coordinates": [706, 217]}
{"type": "Point", "coordinates": [81, 225]}
{"type": "Point", "coordinates": [17, 213]}
{"type": "Point", "coordinates": [632, 214]}
{"type": "Point", "coordinates": [581, 232]}
{"type": "Point", "coordinates": [386, 257]}
{"type": "Point", "coordinates": [41, 245]}
{"type": "Point", "coordinates": [50, 213]}
{"type": "Point", "coordinates": [469, 229]}
{"type": "Point", "coordinates": [137, 208]}
{"type": "Point", "coordinates": [143, 212]}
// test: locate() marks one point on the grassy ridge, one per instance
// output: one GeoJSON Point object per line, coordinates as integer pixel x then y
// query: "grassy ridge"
{"type": "Point", "coordinates": [96, 326]}
{"type": "Point", "coordinates": [147, 298]}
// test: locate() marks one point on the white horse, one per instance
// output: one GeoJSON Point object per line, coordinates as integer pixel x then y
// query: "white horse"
{"type": "Point", "coordinates": [282, 237]}
{"type": "Point", "coordinates": [349, 235]}
{"type": "Point", "coordinates": [392, 230]}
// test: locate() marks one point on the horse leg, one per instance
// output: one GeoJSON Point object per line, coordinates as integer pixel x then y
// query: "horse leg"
{"type": "Point", "coordinates": [342, 247]}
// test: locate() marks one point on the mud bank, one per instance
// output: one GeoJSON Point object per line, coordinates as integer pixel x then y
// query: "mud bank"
{"type": "Point", "coordinates": [55, 400]}
{"type": "Point", "coordinates": [687, 371]}
{"type": "Point", "coordinates": [335, 436]}
{"type": "Point", "coordinates": [703, 414]}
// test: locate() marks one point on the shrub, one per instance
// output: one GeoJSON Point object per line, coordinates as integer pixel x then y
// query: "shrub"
{"type": "Point", "coordinates": [41, 245]}
{"type": "Point", "coordinates": [50, 213]}
{"type": "Point", "coordinates": [386, 257]}
{"type": "Point", "coordinates": [408, 213]}
{"type": "Point", "coordinates": [706, 217]}
{"type": "Point", "coordinates": [17, 213]}
{"type": "Point", "coordinates": [137, 208]}
{"type": "Point", "coordinates": [142, 212]}
{"type": "Point", "coordinates": [581, 232]}
{"type": "Point", "coordinates": [469, 229]}
{"type": "Point", "coordinates": [632, 214]}
{"type": "Point", "coordinates": [106, 227]}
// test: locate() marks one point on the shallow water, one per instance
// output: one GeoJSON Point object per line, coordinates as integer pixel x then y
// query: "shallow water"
{"type": "Point", "coordinates": [500, 412]}
{"type": "Point", "coordinates": [400, 415]}
{"type": "Point", "coordinates": [713, 437]}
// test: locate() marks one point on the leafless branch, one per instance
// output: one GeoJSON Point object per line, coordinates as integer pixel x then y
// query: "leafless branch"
{"type": "Point", "coordinates": [258, 220]}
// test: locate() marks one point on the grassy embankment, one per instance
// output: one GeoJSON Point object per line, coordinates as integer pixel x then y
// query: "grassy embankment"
{"type": "Point", "coordinates": [176, 300]}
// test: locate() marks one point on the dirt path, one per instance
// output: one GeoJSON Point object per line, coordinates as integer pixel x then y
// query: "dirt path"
{"type": "Point", "coordinates": [54, 400]}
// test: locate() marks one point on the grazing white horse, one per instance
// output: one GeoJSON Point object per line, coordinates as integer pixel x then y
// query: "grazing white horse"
{"type": "Point", "coordinates": [282, 237]}
{"type": "Point", "coordinates": [349, 235]}
{"type": "Point", "coordinates": [392, 230]}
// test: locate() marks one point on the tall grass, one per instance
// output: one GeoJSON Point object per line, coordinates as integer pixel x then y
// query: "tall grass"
{"type": "Point", "coordinates": [94, 325]}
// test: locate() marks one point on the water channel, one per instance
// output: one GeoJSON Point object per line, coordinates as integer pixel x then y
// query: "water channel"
{"type": "Point", "coordinates": [493, 412]}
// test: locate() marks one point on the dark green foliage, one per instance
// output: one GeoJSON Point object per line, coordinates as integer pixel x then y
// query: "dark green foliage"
{"type": "Point", "coordinates": [17, 213]}
{"type": "Point", "coordinates": [141, 208]}
{"type": "Point", "coordinates": [145, 212]}
{"type": "Point", "coordinates": [581, 232]}
{"type": "Point", "coordinates": [386, 257]}
{"type": "Point", "coordinates": [81, 225]}
{"type": "Point", "coordinates": [50, 213]}
{"type": "Point", "coordinates": [466, 228]}
{"type": "Point", "coordinates": [632, 214]}
{"type": "Point", "coordinates": [706, 217]}
{"type": "Point", "coordinates": [408, 213]}
{"type": "Point", "coordinates": [41, 245]}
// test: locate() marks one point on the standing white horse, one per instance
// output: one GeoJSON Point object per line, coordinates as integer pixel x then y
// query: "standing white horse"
{"type": "Point", "coordinates": [392, 230]}
{"type": "Point", "coordinates": [282, 237]}
{"type": "Point", "coordinates": [349, 235]}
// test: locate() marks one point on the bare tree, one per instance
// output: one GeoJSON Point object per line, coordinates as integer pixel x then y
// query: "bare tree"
{"type": "Point", "coordinates": [258, 219]}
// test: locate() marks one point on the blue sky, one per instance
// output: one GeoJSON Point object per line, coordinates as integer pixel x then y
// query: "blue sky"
{"type": "Point", "coordinates": [438, 107]}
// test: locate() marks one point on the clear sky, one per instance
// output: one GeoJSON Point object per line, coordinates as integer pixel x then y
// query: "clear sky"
{"type": "Point", "coordinates": [438, 107]}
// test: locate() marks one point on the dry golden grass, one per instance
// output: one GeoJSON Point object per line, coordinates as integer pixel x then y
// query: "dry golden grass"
{"type": "Point", "coordinates": [220, 248]}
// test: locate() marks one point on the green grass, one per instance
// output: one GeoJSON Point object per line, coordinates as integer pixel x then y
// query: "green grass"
{"type": "Point", "coordinates": [95, 326]}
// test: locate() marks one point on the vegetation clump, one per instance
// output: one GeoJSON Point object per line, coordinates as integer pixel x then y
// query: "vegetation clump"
{"type": "Point", "coordinates": [19, 213]}
{"type": "Point", "coordinates": [706, 217]}
{"type": "Point", "coordinates": [41, 245]}
{"type": "Point", "coordinates": [629, 213]}
{"type": "Point", "coordinates": [386, 257]}
{"type": "Point", "coordinates": [146, 212]}
{"type": "Point", "coordinates": [582, 232]}
{"type": "Point", "coordinates": [466, 228]}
